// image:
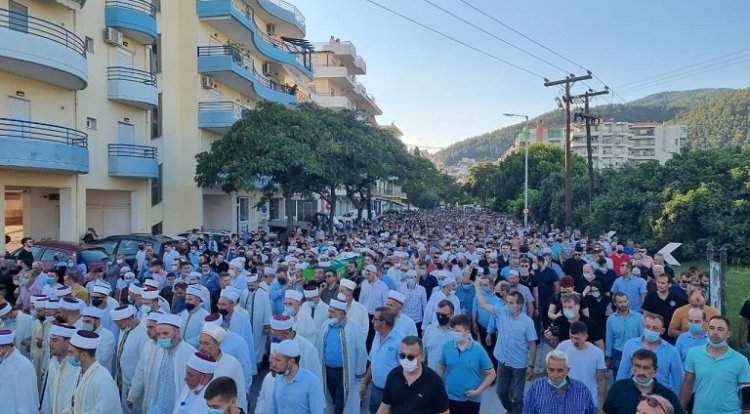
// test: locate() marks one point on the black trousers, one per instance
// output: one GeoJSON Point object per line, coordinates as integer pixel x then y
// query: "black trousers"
{"type": "Point", "coordinates": [370, 334]}
{"type": "Point", "coordinates": [489, 348]}
{"type": "Point", "coordinates": [464, 407]}
{"type": "Point", "coordinates": [335, 386]}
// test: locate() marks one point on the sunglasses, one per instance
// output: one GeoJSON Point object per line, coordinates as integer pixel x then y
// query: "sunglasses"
{"type": "Point", "coordinates": [653, 402]}
{"type": "Point", "coordinates": [409, 357]}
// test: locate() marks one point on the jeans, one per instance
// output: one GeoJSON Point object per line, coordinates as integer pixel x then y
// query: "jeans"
{"type": "Point", "coordinates": [510, 385]}
{"type": "Point", "coordinates": [335, 386]}
{"type": "Point", "coordinates": [376, 397]}
{"type": "Point", "coordinates": [616, 358]}
{"type": "Point", "coordinates": [488, 348]}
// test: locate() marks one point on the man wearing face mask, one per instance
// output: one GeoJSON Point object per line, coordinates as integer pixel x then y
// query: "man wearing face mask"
{"type": "Point", "coordinates": [38, 334]}
{"type": "Point", "coordinates": [295, 389]}
{"type": "Point", "coordinates": [341, 348]}
{"type": "Point", "coordinates": [142, 383]}
{"type": "Point", "coordinates": [447, 291]}
{"type": "Point", "coordinates": [70, 312]}
{"type": "Point", "coordinates": [226, 365]}
{"type": "Point", "coordinates": [199, 372]}
{"type": "Point", "coordinates": [626, 394]}
{"type": "Point", "coordinates": [235, 318]}
{"type": "Point", "coordinates": [413, 387]}
{"type": "Point", "coordinates": [92, 318]}
{"type": "Point", "coordinates": [281, 329]}
{"type": "Point", "coordinates": [415, 299]}
{"type": "Point", "coordinates": [130, 343]}
{"type": "Point", "coordinates": [483, 322]}
{"type": "Point", "coordinates": [558, 392]}
{"type": "Point", "coordinates": [171, 360]}
{"type": "Point", "coordinates": [18, 384]}
{"type": "Point", "coordinates": [258, 306]}
{"type": "Point", "coordinates": [304, 324]}
{"type": "Point", "coordinates": [696, 334]}
{"type": "Point", "coordinates": [61, 378]}
{"type": "Point", "coordinates": [670, 364]}
{"type": "Point", "coordinates": [192, 316]}
{"type": "Point", "coordinates": [20, 323]}
{"type": "Point", "coordinates": [356, 311]}
{"type": "Point", "coordinates": [589, 276]}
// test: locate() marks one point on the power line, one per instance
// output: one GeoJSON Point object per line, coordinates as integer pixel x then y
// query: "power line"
{"type": "Point", "coordinates": [455, 40]}
{"type": "Point", "coordinates": [495, 36]}
{"type": "Point", "coordinates": [686, 75]}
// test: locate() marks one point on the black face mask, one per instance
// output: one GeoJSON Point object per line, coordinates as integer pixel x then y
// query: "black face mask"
{"type": "Point", "coordinates": [443, 319]}
{"type": "Point", "coordinates": [498, 294]}
{"type": "Point", "coordinates": [282, 281]}
{"type": "Point", "coordinates": [41, 318]}
{"type": "Point", "coordinates": [60, 319]}
{"type": "Point", "coordinates": [189, 307]}
{"type": "Point", "coordinates": [223, 312]}
{"type": "Point", "coordinates": [97, 302]}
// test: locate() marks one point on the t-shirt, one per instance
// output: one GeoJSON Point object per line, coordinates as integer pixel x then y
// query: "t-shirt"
{"type": "Point", "coordinates": [464, 369]}
{"type": "Point", "coordinates": [426, 395]}
{"type": "Point", "coordinates": [745, 313]}
{"type": "Point", "coordinates": [716, 380]}
{"type": "Point", "coordinates": [595, 334]}
{"type": "Point", "coordinates": [584, 364]}
{"type": "Point", "coordinates": [546, 280]}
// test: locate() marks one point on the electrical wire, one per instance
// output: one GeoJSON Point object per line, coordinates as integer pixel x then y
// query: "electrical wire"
{"type": "Point", "coordinates": [490, 55]}
{"type": "Point", "coordinates": [685, 75]}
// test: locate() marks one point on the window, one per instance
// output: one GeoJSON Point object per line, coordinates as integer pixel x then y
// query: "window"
{"type": "Point", "coordinates": [128, 247]}
{"type": "Point", "coordinates": [156, 188]}
{"type": "Point", "coordinates": [156, 120]}
{"type": "Point", "coordinates": [89, 45]}
{"type": "Point", "coordinates": [19, 17]}
{"type": "Point", "coordinates": [108, 245]}
{"type": "Point", "coordinates": [273, 209]}
{"type": "Point", "coordinates": [243, 208]}
{"type": "Point", "coordinates": [48, 255]}
{"type": "Point", "coordinates": [304, 210]}
{"type": "Point", "coordinates": [91, 123]}
{"type": "Point", "coordinates": [88, 256]}
{"type": "Point", "coordinates": [155, 55]}
{"type": "Point", "coordinates": [156, 228]}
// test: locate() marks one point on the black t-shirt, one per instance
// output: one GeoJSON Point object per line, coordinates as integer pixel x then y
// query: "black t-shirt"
{"type": "Point", "coordinates": [598, 310]}
{"type": "Point", "coordinates": [745, 313]}
{"type": "Point", "coordinates": [26, 256]}
{"type": "Point", "coordinates": [426, 395]}
{"type": "Point", "coordinates": [574, 268]}
{"type": "Point", "coordinates": [562, 322]}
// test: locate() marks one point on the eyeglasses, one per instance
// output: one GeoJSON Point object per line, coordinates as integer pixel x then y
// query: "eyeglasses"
{"type": "Point", "coordinates": [409, 357]}
{"type": "Point", "coordinates": [524, 265]}
{"type": "Point", "coordinates": [653, 402]}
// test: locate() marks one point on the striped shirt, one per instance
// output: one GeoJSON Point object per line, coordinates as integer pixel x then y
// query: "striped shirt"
{"type": "Point", "coordinates": [542, 398]}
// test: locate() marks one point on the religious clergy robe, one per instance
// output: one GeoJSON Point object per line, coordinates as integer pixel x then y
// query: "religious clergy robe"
{"type": "Point", "coordinates": [38, 330]}
{"type": "Point", "coordinates": [189, 402]}
{"type": "Point", "coordinates": [143, 386]}
{"type": "Point", "coordinates": [96, 393]}
{"type": "Point", "coordinates": [180, 353]}
{"type": "Point", "coordinates": [305, 326]}
{"type": "Point", "coordinates": [22, 329]}
{"type": "Point", "coordinates": [235, 346]}
{"type": "Point", "coordinates": [240, 324]}
{"type": "Point", "coordinates": [18, 391]}
{"type": "Point", "coordinates": [309, 358]}
{"type": "Point", "coordinates": [129, 349]}
{"type": "Point", "coordinates": [228, 366]}
{"type": "Point", "coordinates": [405, 325]}
{"type": "Point", "coordinates": [192, 324]}
{"type": "Point", "coordinates": [357, 312]}
{"type": "Point", "coordinates": [265, 397]}
{"type": "Point", "coordinates": [59, 387]}
{"type": "Point", "coordinates": [106, 349]}
{"type": "Point", "coordinates": [319, 313]}
{"type": "Point", "coordinates": [355, 363]}
{"type": "Point", "coordinates": [258, 307]}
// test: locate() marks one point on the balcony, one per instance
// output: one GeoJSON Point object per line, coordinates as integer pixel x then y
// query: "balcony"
{"type": "Point", "coordinates": [336, 74]}
{"type": "Point", "coordinates": [132, 161]}
{"type": "Point", "coordinates": [132, 87]}
{"type": "Point", "coordinates": [235, 19]}
{"type": "Point", "coordinates": [346, 54]}
{"type": "Point", "coordinates": [286, 17]}
{"type": "Point", "coordinates": [135, 18]}
{"type": "Point", "coordinates": [37, 49]}
{"type": "Point", "coordinates": [73, 4]}
{"type": "Point", "coordinates": [218, 117]}
{"type": "Point", "coordinates": [42, 147]}
{"type": "Point", "coordinates": [230, 66]}
{"type": "Point", "coordinates": [365, 101]}
{"type": "Point", "coordinates": [335, 102]}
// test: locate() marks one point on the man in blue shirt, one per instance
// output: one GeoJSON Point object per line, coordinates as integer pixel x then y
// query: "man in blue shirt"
{"type": "Point", "coordinates": [483, 322]}
{"type": "Point", "coordinates": [622, 325]}
{"type": "Point", "coordinates": [295, 390]}
{"type": "Point", "coordinates": [633, 286]}
{"type": "Point", "coordinates": [558, 393]}
{"type": "Point", "coordinates": [465, 368]}
{"type": "Point", "coordinates": [696, 334]}
{"type": "Point", "coordinates": [383, 356]}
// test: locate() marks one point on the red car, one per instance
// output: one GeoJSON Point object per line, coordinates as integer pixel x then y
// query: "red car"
{"type": "Point", "coordinates": [52, 253]}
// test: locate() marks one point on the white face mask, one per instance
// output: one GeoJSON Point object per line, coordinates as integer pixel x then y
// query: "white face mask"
{"type": "Point", "coordinates": [408, 366]}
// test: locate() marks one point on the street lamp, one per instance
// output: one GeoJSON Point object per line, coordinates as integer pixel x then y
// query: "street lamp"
{"type": "Point", "coordinates": [526, 174]}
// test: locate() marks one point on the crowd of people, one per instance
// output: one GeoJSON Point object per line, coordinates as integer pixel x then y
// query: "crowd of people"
{"type": "Point", "coordinates": [417, 313]}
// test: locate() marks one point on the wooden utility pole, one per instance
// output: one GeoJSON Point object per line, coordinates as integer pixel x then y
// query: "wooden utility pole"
{"type": "Point", "coordinates": [589, 118]}
{"type": "Point", "coordinates": [568, 82]}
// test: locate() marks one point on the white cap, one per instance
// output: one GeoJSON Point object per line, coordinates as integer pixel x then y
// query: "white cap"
{"type": "Point", "coordinates": [337, 304]}
{"type": "Point", "coordinates": [150, 294]}
{"type": "Point", "coordinates": [288, 348]}
{"type": "Point", "coordinates": [238, 262]}
{"type": "Point", "coordinates": [294, 295]}
{"type": "Point", "coordinates": [103, 290]}
{"type": "Point", "coordinates": [150, 282]}
{"type": "Point", "coordinates": [349, 284]}
{"type": "Point", "coordinates": [122, 312]}
{"type": "Point", "coordinates": [52, 304]}
{"type": "Point", "coordinates": [251, 278]}
{"type": "Point", "coordinates": [371, 268]}
{"type": "Point", "coordinates": [62, 330]}
{"type": "Point", "coordinates": [169, 319]}
{"type": "Point", "coordinates": [35, 298]}
{"type": "Point", "coordinates": [71, 304]}
{"type": "Point", "coordinates": [411, 272]}
{"type": "Point", "coordinates": [215, 318]}
{"type": "Point", "coordinates": [154, 316]}
{"type": "Point", "coordinates": [311, 293]}
{"type": "Point", "coordinates": [195, 291]}
{"type": "Point", "coordinates": [5, 309]}
{"type": "Point", "coordinates": [135, 289]}
{"type": "Point", "coordinates": [7, 337]}
{"type": "Point", "coordinates": [63, 291]}
{"type": "Point", "coordinates": [230, 294]}
{"type": "Point", "coordinates": [214, 331]}
{"type": "Point", "coordinates": [397, 296]}
{"type": "Point", "coordinates": [202, 363]}
{"type": "Point", "coordinates": [92, 312]}
{"type": "Point", "coordinates": [281, 322]}
{"type": "Point", "coordinates": [85, 339]}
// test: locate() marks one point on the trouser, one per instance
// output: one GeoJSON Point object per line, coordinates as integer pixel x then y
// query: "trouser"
{"type": "Point", "coordinates": [616, 358]}
{"type": "Point", "coordinates": [488, 348]}
{"type": "Point", "coordinates": [419, 328]}
{"type": "Point", "coordinates": [464, 407]}
{"type": "Point", "coordinates": [376, 397]}
{"type": "Point", "coordinates": [510, 384]}
{"type": "Point", "coordinates": [370, 334]}
{"type": "Point", "coordinates": [335, 386]}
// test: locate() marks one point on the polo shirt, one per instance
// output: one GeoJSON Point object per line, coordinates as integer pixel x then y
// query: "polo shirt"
{"type": "Point", "coordinates": [426, 395]}
{"type": "Point", "coordinates": [333, 350]}
{"type": "Point", "coordinates": [542, 398]}
{"type": "Point", "coordinates": [546, 281]}
{"type": "Point", "coordinates": [620, 330]}
{"type": "Point", "coordinates": [514, 335]}
{"type": "Point", "coordinates": [303, 395]}
{"type": "Point", "coordinates": [384, 356]}
{"type": "Point", "coordinates": [585, 365]}
{"type": "Point", "coordinates": [716, 380]}
{"type": "Point", "coordinates": [670, 372]}
{"type": "Point", "coordinates": [680, 319]}
{"type": "Point", "coordinates": [686, 341]}
{"type": "Point", "coordinates": [464, 369]}
{"type": "Point", "coordinates": [624, 397]}
{"type": "Point", "coordinates": [633, 288]}
{"type": "Point", "coordinates": [484, 318]}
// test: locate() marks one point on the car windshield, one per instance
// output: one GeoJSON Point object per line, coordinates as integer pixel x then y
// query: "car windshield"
{"type": "Point", "coordinates": [88, 256]}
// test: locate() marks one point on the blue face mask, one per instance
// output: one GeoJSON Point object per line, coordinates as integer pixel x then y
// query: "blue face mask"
{"type": "Point", "coordinates": [24, 281]}
{"type": "Point", "coordinates": [511, 308]}
{"type": "Point", "coordinates": [651, 336]}
{"type": "Point", "coordinates": [73, 362]}
{"type": "Point", "coordinates": [717, 345]}
{"type": "Point", "coordinates": [215, 411]}
{"type": "Point", "coordinates": [289, 310]}
{"type": "Point", "coordinates": [645, 384]}
{"type": "Point", "coordinates": [493, 271]}
{"type": "Point", "coordinates": [695, 328]}
{"type": "Point", "coordinates": [486, 290]}
{"type": "Point", "coordinates": [569, 314]}
{"type": "Point", "coordinates": [563, 383]}
{"type": "Point", "coordinates": [165, 343]}
{"type": "Point", "coordinates": [596, 295]}
{"type": "Point", "coordinates": [128, 282]}
{"type": "Point", "coordinates": [51, 281]}
{"type": "Point", "coordinates": [458, 336]}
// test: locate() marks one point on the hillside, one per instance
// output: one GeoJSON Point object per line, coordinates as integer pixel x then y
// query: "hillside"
{"type": "Point", "coordinates": [686, 106]}
{"type": "Point", "coordinates": [721, 123]}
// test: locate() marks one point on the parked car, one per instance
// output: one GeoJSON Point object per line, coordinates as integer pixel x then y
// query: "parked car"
{"type": "Point", "coordinates": [352, 216]}
{"type": "Point", "coordinates": [51, 253]}
{"type": "Point", "coordinates": [127, 244]}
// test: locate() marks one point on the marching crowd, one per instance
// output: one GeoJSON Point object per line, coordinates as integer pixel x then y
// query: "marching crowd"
{"type": "Point", "coordinates": [413, 313]}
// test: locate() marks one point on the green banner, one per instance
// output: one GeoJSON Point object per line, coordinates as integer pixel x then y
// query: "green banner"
{"type": "Point", "coordinates": [554, 132]}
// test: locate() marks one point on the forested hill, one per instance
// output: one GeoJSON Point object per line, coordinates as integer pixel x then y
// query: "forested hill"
{"type": "Point", "coordinates": [715, 118]}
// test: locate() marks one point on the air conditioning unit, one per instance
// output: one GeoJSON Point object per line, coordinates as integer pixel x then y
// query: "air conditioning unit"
{"type": "Point", "coordinates": [271, 29]}
{"type": "Point", "coordinates": [266, 68]}
{"type": "Point", "coordinates": [207, 82]}
{"type": "Point", "coordinates": [112, 36]}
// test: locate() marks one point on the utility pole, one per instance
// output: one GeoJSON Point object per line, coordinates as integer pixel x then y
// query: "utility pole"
{"type": "Point", "coordinates": [568, 81]}
{"type": "Point", "coordinates": [525, 174]}
{"type": "Point", "coordinates": [589, 119]}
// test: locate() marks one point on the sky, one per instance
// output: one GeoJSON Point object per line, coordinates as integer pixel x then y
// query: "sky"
{"type": "Point", "coordinates": [439, 92]}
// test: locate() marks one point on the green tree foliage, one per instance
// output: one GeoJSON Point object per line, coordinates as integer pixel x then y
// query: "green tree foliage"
{"type": "Point", "coordinates": [720, 123]}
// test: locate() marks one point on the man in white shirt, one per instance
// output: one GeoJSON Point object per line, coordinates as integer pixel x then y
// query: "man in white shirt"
{"type": "Point", "coordinates": [315, 307]}
{"type": "Point", "coordinates": [130, 343]}
{"type": "Point", "coordinates": [586, 362]}
{"type": "Point", "coordinates": [303, 324]}
{"type": "Point", "coordinates": [96, 390]}
{"type": "Point", "coordinates": [61, 376]}
{"type": "Point", "coordinates": [92, 321]}
{"type": "Point", "coordinates": [199, 372]}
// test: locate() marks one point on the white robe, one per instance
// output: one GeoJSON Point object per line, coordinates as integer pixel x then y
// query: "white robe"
{"type": "Point", "coordinates": [59, 387]}
{"type": "Point", "coordinates": [355, 365]}
{"type": "Point", "coordinates": [358, 313]}
{"type": "Point", "coordinates": [260, 313]}
{"type": "Point", "coordinates": [128, 351]}
{"type": "Point", "coordinates": [240, 324]}
{"type": "Point", "coordinates": [22, 329]}
{"type": "Point", "coordinates": [192, 324]}
{"type": "Point", "coordinates": [321, 313]}
{"type": "Point", "coordinates": [105, 352]}
{"type": "Point", "coordinates": [228, 366]}
{"type": "Point", "coordinates": [96, 393]}
{"type": "Point", "coordinates": [37, 353]}
{"type": "Point", "coordinates": [305, 326]}
{"type": "Point", "coordinates": [235, 346]}
{"type": "Point", "coordinates": [309, 357]}
{"type": "Point", "coordinates": [142, 387]}
{"type": "Point", "coordinates": [265, 397]}
{"type": "Point", "coordinates": [18, 391]}
{"type": "Point", "coordinates": [181, 353]}
{"type": "Point", "coordinates": [189, 402]}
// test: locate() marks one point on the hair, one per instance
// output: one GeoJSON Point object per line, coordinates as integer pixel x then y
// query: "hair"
{"type": "Point", "coordinates": [445, 302]}
{"type": "Point", "coordinates": [721, 318]}
{"type": "Point", "coordinates": [25, 239]}
{"type": "Point", "coordinates": [157, 262]}
{"type": "Point", "coordinates": [386, 315]}
{"type": "Point", "coordinates": [414, 340]}
{"type": "Point", "coordinates": [578, 327]}
{"type": "Point", "coordinates": [571, 297]}
{"type": "Point", "coordinates": [223, 387]}
{"type": "Point", "coordinates": [460, 320]}
{"type": "Point", "coordinates": [556, 355]}
{"type": "Point", "coordinates": [180, 285]}
{"type": "Point", "coordinates": [654, 317]}
{"type": "Point", "coordinates": [645, 354]}
{"type": "Point", "coordinates": [519, 297]}
{"type": "Point", "coordinates": [665, 404]}
{"type": "Point", "coordinates": [619, 295]}
{"type": "Point", "coordinates": [90, 352]}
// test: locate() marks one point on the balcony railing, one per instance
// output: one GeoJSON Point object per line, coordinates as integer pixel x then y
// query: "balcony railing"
{"type": "Point", "coordinates": [299, 17]}
{"type": "Point", "coordinates": [14, 128]}
{"type": "Point", "coordinates": [39, 27]}
{"type": "Point", "coordinates": [142, 6]}
{"type": "Point", "coordinates": [132, 75]}
{"type": "Point", "coordinates": [131, 150]}
{"type": "Point", "coordinates": [223, 106]}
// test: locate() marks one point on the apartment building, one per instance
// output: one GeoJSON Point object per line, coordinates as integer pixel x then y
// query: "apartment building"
{"type": "Point", "coordinates": [106, 103]}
